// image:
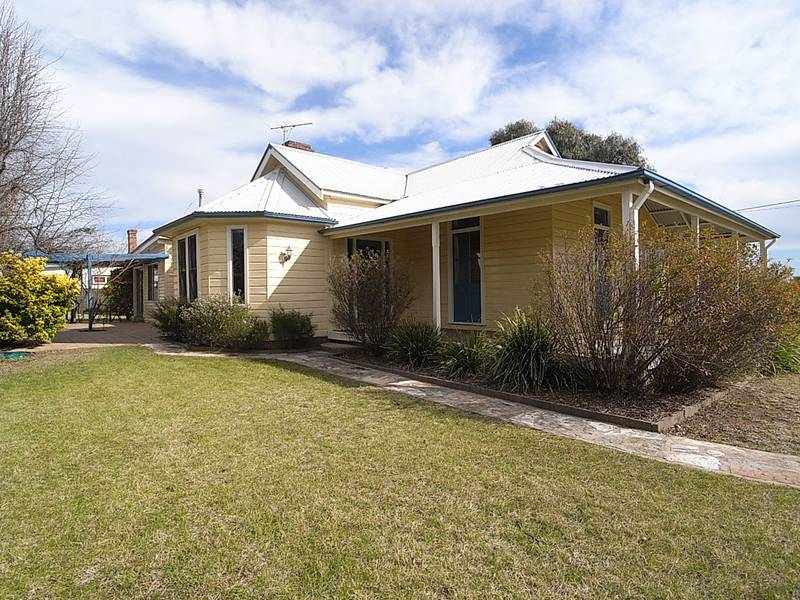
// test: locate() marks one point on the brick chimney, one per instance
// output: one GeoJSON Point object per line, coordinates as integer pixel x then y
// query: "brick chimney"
{"type": "Point", "coordinates": [298, 145]}
{"type": "Point", "coordinates": [132, 241]}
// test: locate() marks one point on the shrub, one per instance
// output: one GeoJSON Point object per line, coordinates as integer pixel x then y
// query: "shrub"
{"type": "Point", "coordinates": [219, 322]}
{"type": "Point", "coordinates": [216, 321]}
{"type": "Point", "coordinates": [686, 318]}
{"type": "Point", "coordinates": [785, 358]}
{"type": "Point", "coordinates": [169, 317]}
{"type": "Point", "coordinates": [467, 358]}
{"type": "Point", "coordinates": [291, 325]}
{"type": "Point", "coordinates": [118, 294]}
{"type": "Point", "coordinates": [258, 337]}
{"type": "Point", "coordinates": [414, 344]}
{"type": "Point", "coordinates": [526, 355]}
{"type": "Point", "coordinates": [32, 305]}
{"type": "Point", "coordinates": [370, 294]}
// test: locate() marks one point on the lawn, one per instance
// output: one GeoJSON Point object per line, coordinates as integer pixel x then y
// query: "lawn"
{"type": "Point", "coordinates": [761, 413]}
{"type": "Point", "coordinates": [127, 474]}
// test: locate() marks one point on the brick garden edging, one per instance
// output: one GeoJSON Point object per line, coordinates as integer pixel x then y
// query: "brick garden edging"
{"type": "Point", "coordinates": [660, 426]}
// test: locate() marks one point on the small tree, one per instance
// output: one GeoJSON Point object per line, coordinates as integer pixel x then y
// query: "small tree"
{"type": "Point", "coordinates": [512, 131]}
{"type": "Point", "coordinates": [576, 143]}
{"type": "Point", "coordinates": [370, 294]}
{"type": "Point", "coordinates": [32, 305]}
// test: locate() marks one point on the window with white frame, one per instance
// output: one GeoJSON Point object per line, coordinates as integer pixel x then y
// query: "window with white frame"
{"type": "Point", "coordinates": [602, 222]}
{"type": "Point", "coordinates": [187, 268]}
{"type": "Point", "coordinates": [465, 271]}
{"type": "Point", "coordinates": [237, 263]}
{"type": "Point", "coordinates": [152, 283]}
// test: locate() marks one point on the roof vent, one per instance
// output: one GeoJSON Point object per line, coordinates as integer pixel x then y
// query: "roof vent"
{"type": "Point", "coordinates": [298, 145]}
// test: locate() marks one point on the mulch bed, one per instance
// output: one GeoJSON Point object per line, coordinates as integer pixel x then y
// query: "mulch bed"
{"type": "Point", "coordinates": [650, 408]}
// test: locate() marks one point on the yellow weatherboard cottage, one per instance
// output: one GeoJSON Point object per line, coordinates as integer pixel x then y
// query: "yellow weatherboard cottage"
{"type": "Point", "coordinates": [470, 230]}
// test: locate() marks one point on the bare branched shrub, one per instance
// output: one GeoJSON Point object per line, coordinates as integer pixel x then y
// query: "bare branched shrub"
{"type": "Point", "coordinates": [370, 294]}
{"type": "Point", "coordinates": [686, 317]}
{"type": "Point", "coordinates": [44, 202]}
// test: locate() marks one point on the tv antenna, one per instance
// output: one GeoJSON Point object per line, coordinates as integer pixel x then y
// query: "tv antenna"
{"type": "Point", "coordinates": [287, 129]}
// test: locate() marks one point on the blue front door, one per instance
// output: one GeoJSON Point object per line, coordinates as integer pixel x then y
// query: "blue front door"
{"type": "Point", "coordinates": [466, 274]}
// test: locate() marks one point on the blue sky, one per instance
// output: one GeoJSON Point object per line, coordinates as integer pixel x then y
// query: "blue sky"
{"type": "Point", "coordinates": [173, 95]}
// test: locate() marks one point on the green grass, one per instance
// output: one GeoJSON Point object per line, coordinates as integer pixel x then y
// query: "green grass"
{"type": "Point", "coordinates": [126, 474]}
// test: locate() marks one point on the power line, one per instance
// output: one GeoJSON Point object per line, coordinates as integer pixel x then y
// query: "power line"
{"type": "Point", "coordinates": [758, 206]}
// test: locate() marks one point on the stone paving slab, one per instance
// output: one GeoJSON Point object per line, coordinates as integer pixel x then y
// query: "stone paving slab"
{"type": "Point", "coordinates": [709, 456]}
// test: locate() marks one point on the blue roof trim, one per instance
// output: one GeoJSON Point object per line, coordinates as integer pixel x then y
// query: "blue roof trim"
{"type": "Point", "coordinates": [243, 214]}
{"type": "Point", "coordinates": [640, 173]}
{"type": "Point", "coordinates": [73, 257]}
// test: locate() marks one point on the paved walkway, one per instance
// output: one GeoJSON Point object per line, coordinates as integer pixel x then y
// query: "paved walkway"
{"type": "Point", "coordinates": [119, 333]}
{"type": "Point", "coordinates": [718, 458]}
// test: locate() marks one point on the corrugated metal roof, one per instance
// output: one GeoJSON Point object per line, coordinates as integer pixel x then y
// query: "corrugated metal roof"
{"type": "Point", "coordinates": [335, 174]}
{"type": "Point", "coordinates": [514, 168]}
{"type": "Point", "coordinates": [274, 193]}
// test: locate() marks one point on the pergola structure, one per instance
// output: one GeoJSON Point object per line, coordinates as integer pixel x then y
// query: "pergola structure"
{"type": "Point", "coordinates": [90, 260]}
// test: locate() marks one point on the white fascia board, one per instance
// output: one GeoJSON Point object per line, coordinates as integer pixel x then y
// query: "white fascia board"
{"type": "Point", "coordinates": [359, 197]}
{"type": "Point", "coordinates": [289, 166]}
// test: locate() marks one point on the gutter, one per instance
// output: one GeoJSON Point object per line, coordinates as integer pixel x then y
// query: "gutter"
{"type": "Point", "coordinates": [243, 214]}
{"type": "Point", "coordinates": [648, 177]}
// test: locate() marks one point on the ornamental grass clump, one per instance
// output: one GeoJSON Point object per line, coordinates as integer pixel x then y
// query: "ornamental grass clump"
{"type": "Point", "coordinates": [414, 344]}
{"type": "Point", "coordinates": [468, 358]}
{"type": "Point", "coordinates": [526, 356]}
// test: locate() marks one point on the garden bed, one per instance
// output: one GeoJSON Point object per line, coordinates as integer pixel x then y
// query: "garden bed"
{"type": "Point", "coordinates": [657, 413]}
{"type": "Point", "coordinates": [761, 413]}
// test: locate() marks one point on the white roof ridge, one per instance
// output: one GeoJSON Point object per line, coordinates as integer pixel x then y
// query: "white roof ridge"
{"type": "Point", "coordinates": [341, 158]}
{"type": "Point", "coordinates": [459, 157]}
{"type": "Point", "coordinates": [584, 165]}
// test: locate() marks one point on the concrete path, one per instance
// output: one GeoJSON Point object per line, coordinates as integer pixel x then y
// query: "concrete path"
{"type": "Point", "coordinates": [119, 333]}
{"type": "Point", "coordinates": [718, 458]}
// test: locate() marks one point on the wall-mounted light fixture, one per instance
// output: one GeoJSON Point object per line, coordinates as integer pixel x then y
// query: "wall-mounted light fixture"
{"type": "Point", "coordinates": [285, 256]}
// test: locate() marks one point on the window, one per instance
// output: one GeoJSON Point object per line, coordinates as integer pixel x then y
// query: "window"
{"type": "Point", "coordinates": [152, 283]}
{"type": "Point", "coordinates": [365, 246]}
{"type": "Point", "coordinates": [187, 268]}
{"type": "Point", "coordinates": [465, 269]}
{"type": "Point", "coordinates": [602, 223]}
{"type": "Point", "coordinates": [237, 263]}
{"type": "Point", "coordinates": [182, 270]}
{"type": "Point", "coordinates": [99, 280]}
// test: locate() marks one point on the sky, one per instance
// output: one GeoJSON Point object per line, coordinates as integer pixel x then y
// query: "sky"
{"type": "Point", "coordinates": [173, 95]}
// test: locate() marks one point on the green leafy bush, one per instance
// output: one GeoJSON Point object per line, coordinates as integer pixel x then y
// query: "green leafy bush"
{"type": "Point", "coordinates": [414, 344]}
{"type": "Point", "coordinates": [291, 325]}
{"type": "Point", "coordinates": [219, 322]}
{"type": "Point", "coordinates": [170, 319]}
{"type": "Point", "coordinates": [468, 358]}
{"type": "Point", "coordinates": [119, 294]}
{"type": "Point", "coordinates": [214, 321]}
{"type": "Point", "coordinates": [32, 305]}
{"type": "Point", "coordinates": [526, 355]}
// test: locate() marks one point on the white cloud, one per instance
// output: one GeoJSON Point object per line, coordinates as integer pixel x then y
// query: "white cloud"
{"type": "Point", "coordinates": [709, 87]}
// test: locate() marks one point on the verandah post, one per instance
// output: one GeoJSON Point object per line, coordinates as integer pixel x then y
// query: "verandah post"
{"type": "Point", "coordinates": [437, 292]}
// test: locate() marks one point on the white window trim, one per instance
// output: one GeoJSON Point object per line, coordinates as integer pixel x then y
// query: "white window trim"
{"type": "Point", "coordinates": [186, 236]}
{"type": "Point", "coordinates": [607, 208]}
{"type": "Point", "coordinates": [451, 232]}
{"type": "Point", "coordinates": [229, 229]}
